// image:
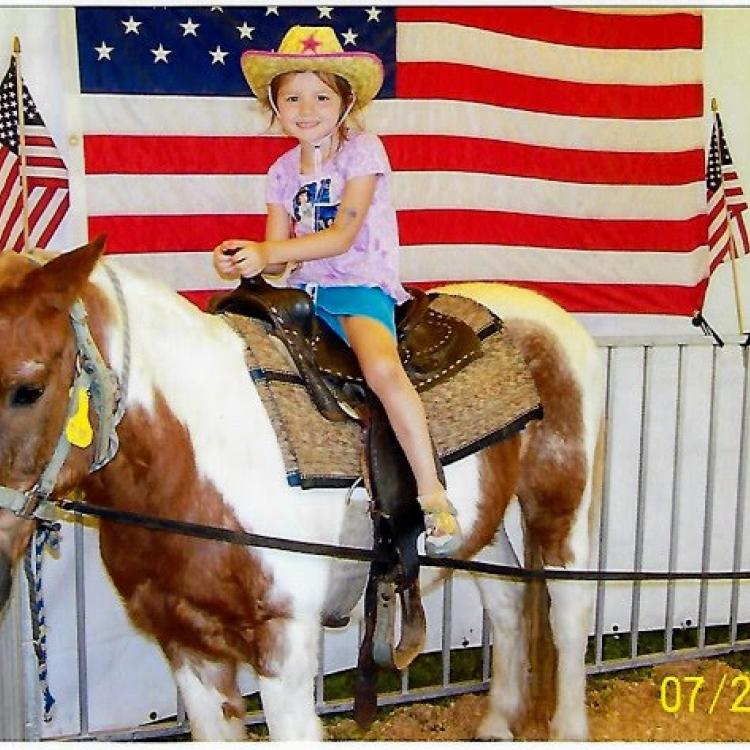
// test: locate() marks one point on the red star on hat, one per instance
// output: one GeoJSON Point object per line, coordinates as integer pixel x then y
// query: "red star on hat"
{"type": "Point", "coordinates": [311, 43]}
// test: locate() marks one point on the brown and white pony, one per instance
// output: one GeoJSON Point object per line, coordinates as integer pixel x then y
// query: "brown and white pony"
{"type": "Point", "coordinates": [197, 445]}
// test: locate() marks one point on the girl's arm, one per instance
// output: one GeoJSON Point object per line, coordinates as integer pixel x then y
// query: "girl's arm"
{"type": "Point", "coordinates": [278, 227]}
{"type": "Point", "coordinates": [250, 258]}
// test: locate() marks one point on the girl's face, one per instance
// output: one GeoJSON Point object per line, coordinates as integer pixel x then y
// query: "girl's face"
{"type": "Point", "coordinates": [309, 109]}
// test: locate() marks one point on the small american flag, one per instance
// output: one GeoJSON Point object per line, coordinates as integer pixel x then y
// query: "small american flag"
{"type": "Point", "coordinates": [47, 177]}
{"type": "Point", "coordinates": [726, 200]}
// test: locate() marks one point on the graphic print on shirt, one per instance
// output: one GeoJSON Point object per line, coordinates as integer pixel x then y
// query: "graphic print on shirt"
{"type": "Point", "coordinates": [312, 206]}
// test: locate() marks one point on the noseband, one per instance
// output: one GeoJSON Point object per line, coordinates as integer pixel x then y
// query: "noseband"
{"type": "Point", "coordinates": [94, 378]}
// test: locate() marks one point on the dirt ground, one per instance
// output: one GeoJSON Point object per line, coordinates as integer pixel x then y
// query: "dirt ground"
{"type": "Point", "coordinates": [704, 700]}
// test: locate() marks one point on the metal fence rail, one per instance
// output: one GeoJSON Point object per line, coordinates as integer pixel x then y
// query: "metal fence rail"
{"type": "Point", "coordinates": [675, 486]}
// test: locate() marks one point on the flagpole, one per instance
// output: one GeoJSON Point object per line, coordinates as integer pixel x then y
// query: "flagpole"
{"type": "Point", "coordinates": [22, 142]}
{"type": "Point", "coordinates": [733, 255]}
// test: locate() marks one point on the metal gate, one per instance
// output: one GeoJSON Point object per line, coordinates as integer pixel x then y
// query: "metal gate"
{"type": "Point", "coordinates": [674, 492]}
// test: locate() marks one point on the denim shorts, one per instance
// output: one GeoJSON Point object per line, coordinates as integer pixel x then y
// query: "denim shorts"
{"type": "Point", "coordinates": [355, 301]}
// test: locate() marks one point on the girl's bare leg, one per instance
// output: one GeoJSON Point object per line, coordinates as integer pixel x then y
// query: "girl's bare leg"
{"type": "Point", "coordinates": [378, 357]}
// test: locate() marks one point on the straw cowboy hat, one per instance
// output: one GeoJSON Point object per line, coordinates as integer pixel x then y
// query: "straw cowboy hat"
{"type": "Point", "coordinates": [313, 48]}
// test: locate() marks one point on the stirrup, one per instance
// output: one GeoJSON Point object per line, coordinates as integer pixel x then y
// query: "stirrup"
{"type": "Point", "coordinates": [444, 519]}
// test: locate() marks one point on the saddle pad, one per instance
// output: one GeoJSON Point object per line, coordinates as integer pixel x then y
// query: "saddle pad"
{"type": "Point", "coordinates": [491, 398]}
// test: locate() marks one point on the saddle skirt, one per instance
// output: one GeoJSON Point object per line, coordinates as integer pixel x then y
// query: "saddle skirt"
{"type": "Point", "coordinates": [491, 398]}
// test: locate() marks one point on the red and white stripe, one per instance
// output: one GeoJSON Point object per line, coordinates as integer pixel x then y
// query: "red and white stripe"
{"type": "Point", "coordinates": [558, 149]}
{"type": "Point", "coordinates": [48, 194]}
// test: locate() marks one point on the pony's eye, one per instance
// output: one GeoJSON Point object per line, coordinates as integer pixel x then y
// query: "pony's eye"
{"type": "Point", "coordinates": [25, 395]}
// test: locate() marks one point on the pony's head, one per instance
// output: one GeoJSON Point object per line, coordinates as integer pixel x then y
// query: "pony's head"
{"type": "Point", "coordinates": [36, 371]}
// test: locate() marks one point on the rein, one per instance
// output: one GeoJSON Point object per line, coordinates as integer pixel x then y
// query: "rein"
{"type": "Point", "coordinates": [92, 378]}
{"type": "Point", "coordinates": [248, 539]}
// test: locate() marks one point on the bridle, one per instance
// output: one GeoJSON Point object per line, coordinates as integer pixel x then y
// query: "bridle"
{"type": "Point", "coordinates": [107, 395]}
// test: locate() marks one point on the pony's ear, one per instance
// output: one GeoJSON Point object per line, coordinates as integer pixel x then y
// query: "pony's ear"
{"type": "Point", "coordinates": [60, 281]}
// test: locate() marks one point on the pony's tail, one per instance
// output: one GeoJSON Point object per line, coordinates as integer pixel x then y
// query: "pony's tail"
{"type": "Point", "coordinates": [542, 656]}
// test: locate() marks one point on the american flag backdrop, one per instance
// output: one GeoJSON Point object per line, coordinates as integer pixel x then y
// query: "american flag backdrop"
{"type": "Point", "coordinates": [725, 197]}
{"type": "Point", "coordinates": [46, 175]}
{"type": "Point", "coordinates": [560, 149]}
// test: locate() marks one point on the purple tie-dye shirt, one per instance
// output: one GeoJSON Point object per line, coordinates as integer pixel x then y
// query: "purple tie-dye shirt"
{"type": "Point", "coordinates": [313, 200]}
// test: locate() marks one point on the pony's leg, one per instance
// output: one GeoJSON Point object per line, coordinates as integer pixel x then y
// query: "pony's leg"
{"type": "Point", "coordinates": [503, 601]}
{"type": "Point", "coordinates": [288, 699]}
{"type": "Point", "coordinates": [571, 605]}
{"type": "Point", "coordinates": [214, 706]}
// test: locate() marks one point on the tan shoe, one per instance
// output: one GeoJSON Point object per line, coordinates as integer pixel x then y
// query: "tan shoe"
{"type": "Point", "coordinates": [443, 537]}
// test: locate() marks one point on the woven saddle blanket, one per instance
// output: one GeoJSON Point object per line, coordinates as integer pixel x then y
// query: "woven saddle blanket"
{"type": "Point", "coordinates": [490, 399]}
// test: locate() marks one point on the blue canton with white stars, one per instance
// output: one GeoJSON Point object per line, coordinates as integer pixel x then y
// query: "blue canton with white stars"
{"type": "Point", "coordinates": [718, 156]}
{"type": "Point", "coordinates": [9, 110]}
{"type": "Point", "coordinates": [196, 51]}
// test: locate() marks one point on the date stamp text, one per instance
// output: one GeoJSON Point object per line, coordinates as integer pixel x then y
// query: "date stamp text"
{"type": "Point", "coordinates": [694, 694]}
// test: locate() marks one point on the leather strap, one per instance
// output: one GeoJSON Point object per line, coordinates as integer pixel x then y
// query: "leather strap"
{"type": "Point", "coordinates": [366, 676]}
{"type": "Point", "coordinates": [290, 313]}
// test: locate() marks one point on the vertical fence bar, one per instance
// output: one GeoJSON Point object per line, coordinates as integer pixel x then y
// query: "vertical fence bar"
{"type": "Point", "coordinates": [83, 678]}
{"type": "Point", "coordinates": [739, 513]}
{"type": "Point", "coordinates": [447, 627]}
{"type": "Point", "coordinates": [320, 674]}
{"type": "Point", "coordinates": [709, 505]}
{"type": "Point", "coordinates": [635, 609]}
{"type": "Point", "coordinates": [604, 514]}
{"type": "Point", "coordinates": [486, 656]}
{"type": "Point", "coordinates": [181, 717]}
{"type": "Point", "coordinates": [674, 523]}
{"type": "Point", "coordinates": [12, 687]}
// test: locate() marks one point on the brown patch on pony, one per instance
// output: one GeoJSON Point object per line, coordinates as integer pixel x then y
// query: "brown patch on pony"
{"type": "Point", "coordinates": [554, 466]}
{"type": "Point", "coordinates": [498, 475]}
{"type": "Point", "coordinates": [542, 654]}
{"type": "Point", "coordinates": [212, 598]}
{"type": "Point", "coordinates": [15, 534]}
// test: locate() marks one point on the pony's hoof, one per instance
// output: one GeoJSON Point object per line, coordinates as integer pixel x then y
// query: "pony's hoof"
{"type": "Point", "coordinates": [494, 728]}
{"type": "Point", "coordinates": [569, 730]}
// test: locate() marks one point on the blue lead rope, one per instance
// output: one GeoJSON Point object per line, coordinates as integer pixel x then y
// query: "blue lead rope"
{"type": "Point", "coordinates": [47, 536]}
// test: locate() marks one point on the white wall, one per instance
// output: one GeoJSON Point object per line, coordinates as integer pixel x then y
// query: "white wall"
{"type": "Point", "coordinates": [727, 78]}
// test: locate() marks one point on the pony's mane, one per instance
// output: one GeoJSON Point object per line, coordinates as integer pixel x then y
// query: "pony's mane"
{"type": "Point", "coordinates": [14, 266]}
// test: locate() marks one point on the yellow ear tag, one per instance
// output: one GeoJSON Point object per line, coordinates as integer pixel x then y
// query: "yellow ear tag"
{"type": "Point", "coordinates": [78, 430]}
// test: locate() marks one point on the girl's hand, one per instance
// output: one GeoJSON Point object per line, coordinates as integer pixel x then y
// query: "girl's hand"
{"type": "Point", "coordinates": [235, 258]}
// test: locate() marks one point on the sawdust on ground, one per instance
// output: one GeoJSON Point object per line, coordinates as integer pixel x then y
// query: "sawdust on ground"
{"type": "Point", "coordinates": [618, 709]}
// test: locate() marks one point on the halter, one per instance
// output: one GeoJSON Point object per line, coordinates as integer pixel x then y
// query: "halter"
{"type": "Point", "coordinates": [107, 397]}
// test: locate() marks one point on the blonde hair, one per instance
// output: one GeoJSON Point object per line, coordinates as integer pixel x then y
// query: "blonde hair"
{"type": "Point", "coordinates": [338, 83]}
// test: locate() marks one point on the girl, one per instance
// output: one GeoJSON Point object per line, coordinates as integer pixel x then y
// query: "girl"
{"type": "Point", "coordinates": [330, 217]}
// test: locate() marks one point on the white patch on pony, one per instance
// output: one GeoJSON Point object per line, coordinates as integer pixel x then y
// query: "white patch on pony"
{"type": "Point", "coordinates": [570, 616]}
{"type": "Point", "coordinates": [204, 704]}
{"type": "Point", "coordinates": [28, 369]}
{"type": "Point", "coordinates": [503, 600]}
{"type": "Point", "coordinates": [288, 696]}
